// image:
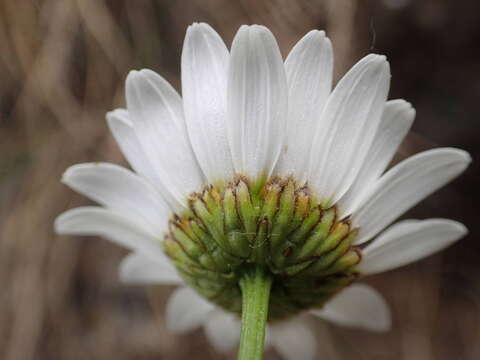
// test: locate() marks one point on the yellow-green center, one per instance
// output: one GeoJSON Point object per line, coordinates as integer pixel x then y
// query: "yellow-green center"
{"type": "Point", "coordinates": [276, 224]}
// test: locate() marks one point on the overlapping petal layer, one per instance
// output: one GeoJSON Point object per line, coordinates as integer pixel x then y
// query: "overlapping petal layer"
{"type": "Point", "coordinates": [293, 339]}
{"type": "Point", "coordinates": [406, 184]}
{"type": "Point", "coordinates": [138, 268]}
{"type": "Point", "coordinates": [408, 241]}
{"type": "Point", "coordinates": [156, 112]}
{"type": "Point", "coordinates": [309, 71]}
{"type": "Point", "coordinates": [94, 220]}
{"type": "Point", "coordinates": [357, 306]}
{"type": "Point", "coordinates": [121, 190]}
{"type": "Point", "coordinates": [397, 119]}
{"type": "Point", "coordinates": [223, 330]}
{"type": "Point", "coordinates": [347, 126]}
{"type": "Point", "coordinates": [186, 310]}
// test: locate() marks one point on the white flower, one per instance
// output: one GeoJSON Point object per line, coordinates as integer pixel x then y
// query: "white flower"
{"type": "Point", "coordinates": [247, 112]}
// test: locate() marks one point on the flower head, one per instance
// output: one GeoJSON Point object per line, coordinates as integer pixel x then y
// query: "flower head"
{"type": "Point", "coordinates": [261, 162]}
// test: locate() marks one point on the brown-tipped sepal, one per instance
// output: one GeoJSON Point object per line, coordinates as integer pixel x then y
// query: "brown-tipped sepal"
{"type": "Point", "coordinates": [307, 250]}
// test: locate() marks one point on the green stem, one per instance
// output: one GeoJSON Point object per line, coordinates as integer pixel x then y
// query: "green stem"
{"type": "Point", "coordinates": [255, 285]}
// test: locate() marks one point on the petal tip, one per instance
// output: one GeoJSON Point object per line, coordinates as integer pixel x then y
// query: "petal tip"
{"type": "Point", "coordinates": [147, 73]}
{"type": "Point", "coordinates": [119, 115]}
{"type": "Point", "coordinates": [195, 26]}
{"type": "Point", "coordinates": [132, 78]}
{"type": "Point", "coordinates": [377, 57]}
{"type": "Point", "coordinates": [137, 77]}
{"type": "Point", "coordinates": [459, 228]}
{"type": "Point", "coordinates": [243, 28]}
{"type": "Point", "coordinates": [316, 35]}
{"type": "Point", "coordinates": [124, 269]}
{"type": "Point", "coordinates": [466, 156]}
{"type": "Point", "coordinates": [315, 32]}
{"type": "Point", "coordinates": [69, 175]}
{"type": "Point", "coordinates": [462, 156]}
{"type": "Point", "coordinates": [132, 74]}
{"type": "Point", "coordinates": [374, 58]}
{"type": "Point", "coordinates": [259, 30]}
{"type": "Point", "coordinates": [401, 103]}
{"type": "Point", "coordinates": [59, 223]}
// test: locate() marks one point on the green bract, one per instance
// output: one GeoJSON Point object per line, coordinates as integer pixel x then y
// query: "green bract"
{"type": "Point", "coordinates": [276, 224]}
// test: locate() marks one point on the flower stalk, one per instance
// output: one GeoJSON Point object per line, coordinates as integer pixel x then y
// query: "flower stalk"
{"type": "Point", "coordinates": [255, 284]}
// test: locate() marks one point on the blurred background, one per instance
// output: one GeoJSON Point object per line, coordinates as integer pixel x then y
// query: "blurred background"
{"type": "Point", "coordinates": [62, 66]}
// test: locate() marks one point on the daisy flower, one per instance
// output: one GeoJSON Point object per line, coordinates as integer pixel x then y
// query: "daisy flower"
{"type": "Point", "coordinates": [263, 193]}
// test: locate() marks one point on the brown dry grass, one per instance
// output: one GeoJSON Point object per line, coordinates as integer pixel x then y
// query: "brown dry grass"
{"type": "Point", "coordinates": [62, 66]}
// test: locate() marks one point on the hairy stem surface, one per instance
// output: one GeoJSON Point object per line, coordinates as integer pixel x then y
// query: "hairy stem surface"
{"type": "Point", "coordinates": [255, 285]}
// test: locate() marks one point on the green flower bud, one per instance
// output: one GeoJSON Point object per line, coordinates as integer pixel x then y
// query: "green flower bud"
{"type": "Point", "coordinates": [307, 249]}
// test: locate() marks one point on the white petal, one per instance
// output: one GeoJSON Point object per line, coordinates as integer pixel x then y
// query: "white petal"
{"type": "Point", "coordinates": [256, 102]}
{"type": "Point", "coordinates": [409, 241]}
{"type": "Point", "coordinates": [156, 112]}
{"type": "Point", "coordinates": [406, 184]}
{"type": "Point", "coordinates": [124, 134]}
{"type": "Point", "coordinates": [357, 306]}
{"type": "Point", "coordinates": [186, 310]}
{"type": "Point", "coordinates": [98, 221]}
{"type": "Point", "coordinates": [396, 121]}
{"type": "Point", "coordinates": [204, 89]}
{"type": "Point", "coordinates": [138, 268]}
{"type": "Point", "coordinates": [309, 70]}
{"type": "Point", "coordinates": [120, 189]}
{"type": "Point", "coordinates": [347, 127]}
{"type": "Point", "coordinates": [223, 330]}
{"type": "Point", "coordinates": [293, 339]}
